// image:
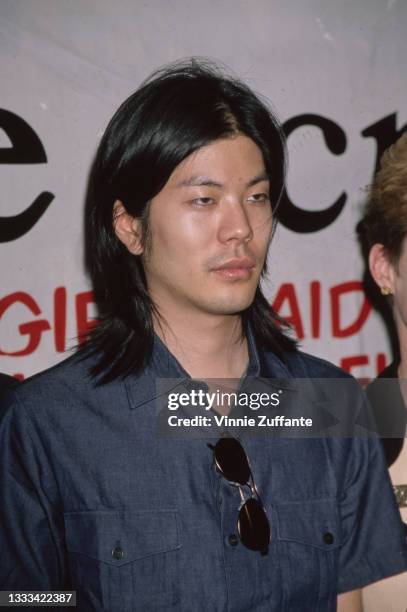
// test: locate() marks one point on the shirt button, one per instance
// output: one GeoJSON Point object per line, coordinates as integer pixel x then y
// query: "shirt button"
{"type": "Point", "coordinates": [328, 538]}
{"type": "Point", "coordinates": [118, 553]}
{"type": "Point", "coordinates": [233, 539]}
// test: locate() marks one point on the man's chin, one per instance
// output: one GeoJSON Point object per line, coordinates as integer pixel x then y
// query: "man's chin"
{"type": "Point", "coordinates": [230, 307]}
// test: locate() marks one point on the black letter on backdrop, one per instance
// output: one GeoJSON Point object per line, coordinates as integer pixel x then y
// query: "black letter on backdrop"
{"type": "Point", "coordinates": [26, 149]}
{"type": "Point", "coordinates": [307, 221]}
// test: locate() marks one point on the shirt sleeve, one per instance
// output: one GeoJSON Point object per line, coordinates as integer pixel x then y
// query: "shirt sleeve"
{"type": "Point", "coordinates": [373, 535]}
{"type": "Point", "coordinates": [31, 535]}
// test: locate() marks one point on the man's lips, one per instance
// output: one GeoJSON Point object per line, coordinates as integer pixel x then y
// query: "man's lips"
{"type": "Point", "coordinates": [236, 268]}
{"type": "Point", "coordinates": [233, 264]}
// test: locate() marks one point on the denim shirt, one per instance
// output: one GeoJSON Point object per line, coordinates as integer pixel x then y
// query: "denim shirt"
{"type": "Point", "coordinates": [94, 501]}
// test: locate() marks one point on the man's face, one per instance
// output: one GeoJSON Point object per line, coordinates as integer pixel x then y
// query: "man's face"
{"type": "Point", "coordinates": [210, 228]}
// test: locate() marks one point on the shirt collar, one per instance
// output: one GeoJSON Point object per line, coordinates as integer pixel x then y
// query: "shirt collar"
{"type": "Point", "coordinates": [142, 388]}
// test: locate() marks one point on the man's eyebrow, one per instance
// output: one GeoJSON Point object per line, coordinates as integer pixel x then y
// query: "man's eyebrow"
{"type": "Point", "coordinates": [263, 176]}
{"type": "Point", "coordinates": [198, 181]}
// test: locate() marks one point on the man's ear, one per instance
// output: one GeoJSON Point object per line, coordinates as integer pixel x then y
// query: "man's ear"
{"type": "Point", "coordinates": [127, 229]}
{"type": "Point", "coordinates": [381, 268]}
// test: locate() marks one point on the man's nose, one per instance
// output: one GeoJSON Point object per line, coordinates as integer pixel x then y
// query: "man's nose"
{"type": "Point", "coordinates": [235, 223]}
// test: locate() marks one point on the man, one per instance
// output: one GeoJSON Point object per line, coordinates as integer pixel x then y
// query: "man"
{"type": "Point", "coordinates": [184, 195]}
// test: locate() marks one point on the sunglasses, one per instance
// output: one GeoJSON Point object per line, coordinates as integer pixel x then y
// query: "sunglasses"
{"type": "Point", "coordinates": [252, 524]}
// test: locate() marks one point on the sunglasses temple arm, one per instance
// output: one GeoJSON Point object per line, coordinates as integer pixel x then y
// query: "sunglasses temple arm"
{"type": "Point", "coordinates": [242, 497]}
{"type": "Point", "coordinates": [254, 490]}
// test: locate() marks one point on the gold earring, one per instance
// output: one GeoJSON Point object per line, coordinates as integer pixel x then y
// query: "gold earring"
{"type": "Point", "coordinates": [386, 291]}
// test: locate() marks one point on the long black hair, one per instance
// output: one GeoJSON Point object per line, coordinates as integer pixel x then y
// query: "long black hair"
{"type": "Point", "coordinates": [180, 108]}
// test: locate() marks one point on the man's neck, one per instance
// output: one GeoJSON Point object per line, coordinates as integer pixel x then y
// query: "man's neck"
{"type": "Point", "coordinates": [206, 346]}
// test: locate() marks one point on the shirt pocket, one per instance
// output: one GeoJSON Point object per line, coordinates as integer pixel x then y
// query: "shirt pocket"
{"type": "Point", "coordinates": [123, 560]}
{"type": "Point", "coordinates": [309, 540]}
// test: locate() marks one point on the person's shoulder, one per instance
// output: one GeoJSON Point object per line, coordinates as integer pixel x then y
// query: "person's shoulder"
{"type": "Point", "coordinates": [305, 365]}
{"type": "Point", "coordinates": [67, 384]}
{"type": "Point", "coordinates": [68, 373]}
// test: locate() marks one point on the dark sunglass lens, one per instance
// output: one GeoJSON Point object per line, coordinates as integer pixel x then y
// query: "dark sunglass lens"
{"type": "Point", "coordinates": [253, 526]}
{"type": "Point", "coordinates": [231, 460]}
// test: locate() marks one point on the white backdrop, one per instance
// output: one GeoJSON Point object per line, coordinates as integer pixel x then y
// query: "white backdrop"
{"type": "Point", "coordinates": [65, 67]}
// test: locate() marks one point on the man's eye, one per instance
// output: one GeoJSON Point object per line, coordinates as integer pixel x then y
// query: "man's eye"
{"type": "Point", "coordinates": [259, 198]}
{"type": "Point", "coordinates": [202, 201]}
